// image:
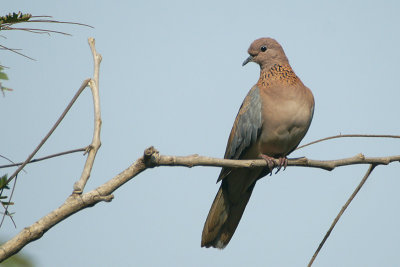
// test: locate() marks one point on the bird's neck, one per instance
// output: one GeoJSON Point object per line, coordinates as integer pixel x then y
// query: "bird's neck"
{"type": "Point", "coordinates": [278, 73]}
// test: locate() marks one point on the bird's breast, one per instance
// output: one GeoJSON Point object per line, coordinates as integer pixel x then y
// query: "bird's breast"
{"type": "Point", "coordinates": [286, 118]}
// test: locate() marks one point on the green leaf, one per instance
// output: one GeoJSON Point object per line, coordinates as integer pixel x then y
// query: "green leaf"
{"type": "Point", "coordinates": [3, 182]}
{"type": "Point", "coordinates": [3, 76]}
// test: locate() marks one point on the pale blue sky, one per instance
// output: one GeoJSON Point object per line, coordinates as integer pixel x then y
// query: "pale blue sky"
{"type": "Point", "coordinates": [171, 77]}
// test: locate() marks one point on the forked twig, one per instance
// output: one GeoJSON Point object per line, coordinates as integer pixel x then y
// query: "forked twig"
{"type": "Point", "coordinates": [96, 143]}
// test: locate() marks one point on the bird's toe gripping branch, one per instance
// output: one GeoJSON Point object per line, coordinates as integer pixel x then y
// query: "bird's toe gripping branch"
{"type": "Point", "coordinates": [283, 161]}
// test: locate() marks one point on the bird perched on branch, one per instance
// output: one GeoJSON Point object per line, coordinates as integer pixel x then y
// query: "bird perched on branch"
{"type": "Point", "coordinates": [271, 122]}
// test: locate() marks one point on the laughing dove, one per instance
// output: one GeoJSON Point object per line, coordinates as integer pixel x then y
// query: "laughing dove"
{"type": "Point", "coordinates": [273, 119]}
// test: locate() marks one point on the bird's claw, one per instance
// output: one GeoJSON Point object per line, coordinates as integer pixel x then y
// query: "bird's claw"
{"type": "Point", "coordinates": [270, 161]}
{"type": "Point", "coordinates": [283, 161]}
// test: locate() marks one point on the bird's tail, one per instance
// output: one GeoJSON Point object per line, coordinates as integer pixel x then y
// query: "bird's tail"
{"type": "Point", "coordinates": [224, 216]}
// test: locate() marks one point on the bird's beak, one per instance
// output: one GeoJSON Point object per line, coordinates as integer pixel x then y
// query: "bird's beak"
{"type": "Point", "coordinates": [249, 59]}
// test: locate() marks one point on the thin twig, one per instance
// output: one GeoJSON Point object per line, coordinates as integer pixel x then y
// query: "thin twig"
{"type": "Point", "coordinates": [4, 157]}
{"type": "Point", "coordinates": [58, 22]}
{"type": "Point", "coordinates": [10, 215]}
{"type": "Point", "coordinates": [83, 86]}
{"type": "Point", "coordinates": [36, 30]}
{"type": "Point", "coordinates": [364, 179]}
{"type": "Point", "coordinates": [83, 149]}
{"type": "Point", "coordinates": [13, 50]}
{"type": "Point", "coordinates": [96, 143]}
{"type": "Point", "coordinates": [350, 135]}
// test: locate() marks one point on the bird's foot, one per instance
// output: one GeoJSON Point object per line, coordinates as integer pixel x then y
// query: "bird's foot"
{"type": "Point", "coordinates": [271, 163]}
{"type": "Point", "coordinates": [282, 163]}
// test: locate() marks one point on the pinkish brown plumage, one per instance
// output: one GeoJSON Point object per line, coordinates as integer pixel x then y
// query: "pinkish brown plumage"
{"type": "Point", "coordinates": [273, 119]}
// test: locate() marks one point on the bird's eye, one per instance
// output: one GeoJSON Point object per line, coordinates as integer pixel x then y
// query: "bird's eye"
{"type": "Point", "coordinates": [263, 48]}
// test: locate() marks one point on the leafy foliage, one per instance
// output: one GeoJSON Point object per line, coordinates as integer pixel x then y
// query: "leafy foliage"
{"type": "Point", "coordinates": [13, 18]}
{"type": "Point", "coordinates": [3, 183]}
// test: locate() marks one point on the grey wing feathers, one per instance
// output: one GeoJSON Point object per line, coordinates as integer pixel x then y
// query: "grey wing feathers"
{"type": "Point", "coordinates": [245, 130]}
{"type": "Point", "coordinates": [247, 125]}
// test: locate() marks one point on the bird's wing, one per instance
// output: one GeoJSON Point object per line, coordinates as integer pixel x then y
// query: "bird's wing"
{"type": "Point", "coordinates": [246, 128]}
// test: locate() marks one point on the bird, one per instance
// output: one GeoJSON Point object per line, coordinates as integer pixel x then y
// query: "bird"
{"type": "Point", "coordinates": [272, 120]}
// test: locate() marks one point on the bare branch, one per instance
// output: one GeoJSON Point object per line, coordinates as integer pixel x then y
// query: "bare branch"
{"type": "Point", "coordinates": [96, 143]}
{"type": "Point", "coordinates": [83, 149]}
{"type": "Point", "coordinates": [155, 159]}
{"type": "Point", "coordinates": [364, 179]}
{"type": "Point", "coordinates": [349, 135]}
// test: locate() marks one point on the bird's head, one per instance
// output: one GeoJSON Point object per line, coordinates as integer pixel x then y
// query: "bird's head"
{"type": "Point", "coordinates": [266, 52]}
